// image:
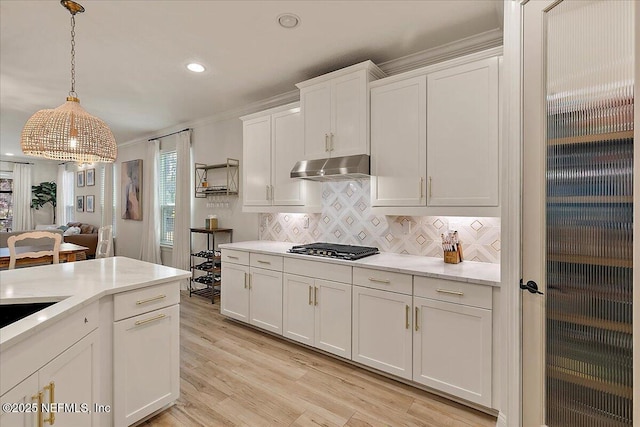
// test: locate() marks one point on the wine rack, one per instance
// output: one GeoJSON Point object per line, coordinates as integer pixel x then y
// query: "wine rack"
{"type": "Point", "coordinates": [205, 264]}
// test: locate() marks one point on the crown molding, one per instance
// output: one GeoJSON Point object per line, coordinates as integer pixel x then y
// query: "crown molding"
{"type": "Point", "coordinates": [264, 104]}
{"type": "Point", "coordinates": [466, 46]}
{"type": "Point", "coordinates": [483, 41]}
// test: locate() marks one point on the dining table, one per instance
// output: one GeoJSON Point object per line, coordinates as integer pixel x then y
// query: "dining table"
{"type": "Point", "coordinates": [68, 253]}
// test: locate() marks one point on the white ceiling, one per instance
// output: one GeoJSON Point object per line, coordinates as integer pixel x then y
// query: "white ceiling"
{"type": "Point", "coordinates": [131, 55]}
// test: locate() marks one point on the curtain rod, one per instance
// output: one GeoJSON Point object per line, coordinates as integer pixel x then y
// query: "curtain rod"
{"type": "Point", "coordinates": [169, 134]}
{"type": "Point", "coordinates": [17, 163]}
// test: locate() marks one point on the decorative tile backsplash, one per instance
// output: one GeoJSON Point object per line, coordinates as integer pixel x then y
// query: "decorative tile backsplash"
{"type": "Point", "coordinates": [346, 218]}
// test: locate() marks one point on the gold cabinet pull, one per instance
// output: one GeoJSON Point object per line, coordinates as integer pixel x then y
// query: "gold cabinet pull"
{"type": "Point", "coordinates": [245, 280]}
{"type": "Point", "coordinates": [250, 280]}
{"type": "Point", "coordinates": [264, 262]}
{"type": "Point", "coordinates": [430, 194]}
{"type": "Point", "coordinates": [38, 399]}
{"type": "Point", "coordinates": [417, 314]}
{"type": "Point", "coordinates": [232, 257]}
{"type": "Point", "coordinates": [406, 316]}
{"type": "Point", "coordinates": [326, 142]}
{"type": "Point", "coordinates": [446, 291]}
{"type": "Point", "coordinates": [373, 279]}
{"type": "Point", "coordinates": [310, 295]}
{"type": "Point", "coordinates": [331, 141]}
{"type": "Point", "coordinates": [51, 419]}
{"type": "Point", "coordinates": [151, 319]}
{"type": "Point", "coordinates": [145, 301]}
{"type": "Point", "coordinates": [421, 187]}
{"type": "Point", "coordinates": [315, 295]}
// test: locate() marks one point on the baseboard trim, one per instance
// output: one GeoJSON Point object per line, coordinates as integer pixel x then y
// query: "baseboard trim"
{"type": "Point", "coordinates": [475, 406]}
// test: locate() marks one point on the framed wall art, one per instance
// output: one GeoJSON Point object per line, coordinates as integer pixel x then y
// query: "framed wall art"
{"type": "Point", "coordinates": [80, 178]}
{"type": "Point", "coordinates": [91, 177]}
{"type": "Point", "coordinates": [131, 189]}
{"type": "Point", "coordinates": [79, 203]}
{"type": "Point", "coordinates": [90, 203]}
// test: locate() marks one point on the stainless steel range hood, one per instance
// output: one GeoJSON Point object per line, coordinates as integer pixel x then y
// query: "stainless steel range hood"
{"type": "Point", "coordinates": [333, 169]}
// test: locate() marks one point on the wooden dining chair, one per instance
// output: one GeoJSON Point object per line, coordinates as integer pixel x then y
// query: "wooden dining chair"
{"type": "Point", "coordinates": [45, 236]}
{"type": "Point", "coordinates": [105, 240]}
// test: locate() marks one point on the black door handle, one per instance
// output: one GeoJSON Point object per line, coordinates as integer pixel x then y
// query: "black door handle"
{"type": "Point", "coordinates": [531, 286]}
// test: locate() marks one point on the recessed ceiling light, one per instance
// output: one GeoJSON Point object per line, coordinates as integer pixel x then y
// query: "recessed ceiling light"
{"type": "Point", "coordinates": [195, 67]}
{"type": "Point", "coordinates": [288, 20]}
{"type": "Point", "coordinates": [9, 154]}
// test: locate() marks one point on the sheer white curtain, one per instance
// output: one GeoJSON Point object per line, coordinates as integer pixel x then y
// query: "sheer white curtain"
{"type": "Point", "coordinates": [182, 222]}
{"type": "Point", "coordinates": [64, 195]}
{"type": "Point", "coordinates": [107, 200]}
{"type": "Point", "coordinates": [150, 248]}
{"type": "Point", "coordinates": [22, 197]}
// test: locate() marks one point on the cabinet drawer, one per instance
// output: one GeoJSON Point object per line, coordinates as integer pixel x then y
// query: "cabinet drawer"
{"type": "Point", "coordinates": [384, 280]}
{"type": "Point", "coordinates": [318, 269]}
{"type": "Point", "coordinates": [452, 291]}
{"type": "Point", "coordinates": [132, 303]}
{"type": "Point", "coordinates": [238, 257]}
{"type": "Point", "coordinates": [269, 262]}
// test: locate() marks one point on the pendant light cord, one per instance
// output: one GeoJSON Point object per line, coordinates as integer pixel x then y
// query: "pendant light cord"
{"type": "Point", "coordinates": [73, 57]}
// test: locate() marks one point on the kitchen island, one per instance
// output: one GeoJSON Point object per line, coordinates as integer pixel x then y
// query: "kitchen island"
{"type": "Point", "coordinates": [106, 346]}
{"type": "Point", "coordinates": [413, 318]}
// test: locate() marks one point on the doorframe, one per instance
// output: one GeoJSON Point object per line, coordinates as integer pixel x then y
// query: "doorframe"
{"type": "Point", "coordinates": [511, 226]}
{"type": "Point", "coordinates": [636, 223]}
{"type": "Point", "coordinates": [510, 259]}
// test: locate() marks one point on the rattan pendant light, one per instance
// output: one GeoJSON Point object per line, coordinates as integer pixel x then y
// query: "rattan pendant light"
{"type": "Point", "coordinates": [69, 132]}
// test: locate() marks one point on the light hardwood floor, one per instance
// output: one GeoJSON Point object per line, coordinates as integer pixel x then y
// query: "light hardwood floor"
{"type": "Point", "coordinates": [233, 375]}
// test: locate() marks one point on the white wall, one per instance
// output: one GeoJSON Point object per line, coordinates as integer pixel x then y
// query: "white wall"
{"type": "Point", "coordinates": [128, 232]}
{"type": "Point", "coordinates": [212, 142]}
{"type": "Point", "coordinates": [93, 218]}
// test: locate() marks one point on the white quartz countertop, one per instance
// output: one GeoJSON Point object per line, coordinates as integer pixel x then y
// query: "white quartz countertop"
{"type": "Point", "coordinates": [481, 273]}
{"type": "Point", "coordinates": [73, 285]}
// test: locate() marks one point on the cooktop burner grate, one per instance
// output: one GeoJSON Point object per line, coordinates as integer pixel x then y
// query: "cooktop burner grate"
{"type": "Point", "coordinates": [334, 250]}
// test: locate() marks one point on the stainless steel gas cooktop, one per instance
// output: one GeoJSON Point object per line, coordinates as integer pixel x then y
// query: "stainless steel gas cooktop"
{"type": "Point", "coordinates": [334, 250]}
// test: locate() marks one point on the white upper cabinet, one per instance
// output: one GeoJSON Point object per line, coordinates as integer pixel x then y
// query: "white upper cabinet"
{"type": "Point", "coordinates": [462, 135]}
{"type": "Point", "coordinates": [272, 144]}
{"type": "Point", "coordinates": [335, 112]}
{"type": "Point", "coordinates": [256, 171]}
{"type": "Point", "coordinates": [316, 102]}
{"type": "Point", "coordinates": [287, 149]}
{"type": "Point", "coordinates": [435, 139]}
{"type": "Point", "coordinates": [398, 143]}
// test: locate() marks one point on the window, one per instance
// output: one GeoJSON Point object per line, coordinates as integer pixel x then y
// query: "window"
{"type": "Point", "coordinates": [6, 203]}
{"type": "Point", "coordinates": [167, 176]}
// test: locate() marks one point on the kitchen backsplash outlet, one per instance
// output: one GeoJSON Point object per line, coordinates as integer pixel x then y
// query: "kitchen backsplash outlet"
{"type": "Point", "coordinates": [346, 218]}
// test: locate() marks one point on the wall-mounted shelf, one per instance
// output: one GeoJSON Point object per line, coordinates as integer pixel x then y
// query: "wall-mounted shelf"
{"type": "Point", "coordinates": [210, 183]}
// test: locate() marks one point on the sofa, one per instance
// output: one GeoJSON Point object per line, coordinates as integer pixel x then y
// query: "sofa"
{"type": "Point", "coordinates": [88, 237]}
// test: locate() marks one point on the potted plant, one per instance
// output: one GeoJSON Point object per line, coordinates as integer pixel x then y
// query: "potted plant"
{"type": "Point", "coordinates": [44, 193]}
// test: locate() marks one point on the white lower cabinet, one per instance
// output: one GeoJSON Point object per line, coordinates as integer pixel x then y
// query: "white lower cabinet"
{"type": "Point", "coordinates": [265, 299]}
{"type": "Point", "coordinates": [146, 363]}
{"type": "Point", "coordinates": [25, 393]}
{"type": "Point", "coordinates": [67, 387]}
{"type": "Point", "coordinates": [434, 332]}
{"type": "Point", "coordinates": [250, 294]}
{"type": "Point", "coordinates": [382, 336]}
{"type": "Point", "coordinates": [234, 297]}
{"type": "Point", "coordinates": [452, 339]}
{"type": "Point", "coordinates": [318, 313]}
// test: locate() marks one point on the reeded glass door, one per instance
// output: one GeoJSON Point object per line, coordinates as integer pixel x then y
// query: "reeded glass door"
{"type": "Point", "coordinates": [578, 170]}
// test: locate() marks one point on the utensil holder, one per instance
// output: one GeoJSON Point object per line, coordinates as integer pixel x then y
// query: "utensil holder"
{"type": "Point", "coordinates": [453, 257]}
